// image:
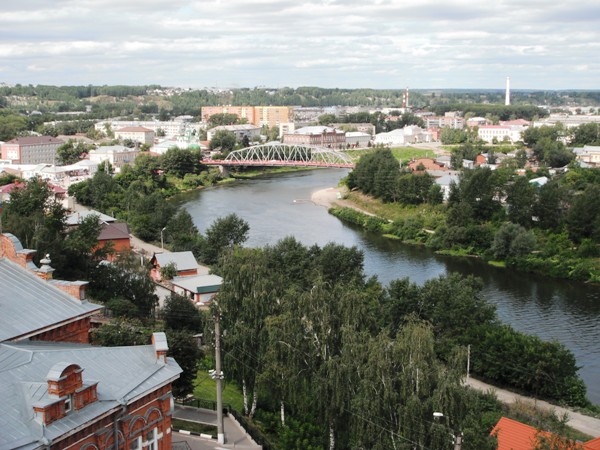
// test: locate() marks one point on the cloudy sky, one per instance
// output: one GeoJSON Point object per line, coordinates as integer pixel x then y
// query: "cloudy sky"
{"type": "Point", "coordinates": [540, 44]}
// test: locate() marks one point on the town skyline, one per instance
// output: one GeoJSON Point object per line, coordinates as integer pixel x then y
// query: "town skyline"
{"type": "Point", "coordinates": [346, 44]}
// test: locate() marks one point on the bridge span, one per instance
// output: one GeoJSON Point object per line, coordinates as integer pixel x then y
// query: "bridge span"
{"type": "Point", "coordinates": [276, 154]}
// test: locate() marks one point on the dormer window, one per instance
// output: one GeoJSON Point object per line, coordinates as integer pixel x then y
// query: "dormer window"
{"type": "Point", "coordinates": [68, 404]}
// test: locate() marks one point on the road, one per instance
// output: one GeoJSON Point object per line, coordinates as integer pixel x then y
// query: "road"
{"type": "Point", "coordinates": [235, 436]}
{"type": "Point", "coordinates": [585, 424]}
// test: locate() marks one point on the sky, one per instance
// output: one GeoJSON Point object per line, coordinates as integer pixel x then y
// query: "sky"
{"type": "Point", "coordinates": [379, 44]}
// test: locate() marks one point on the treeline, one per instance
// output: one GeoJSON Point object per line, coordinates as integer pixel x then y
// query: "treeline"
{"type": "Point", "coordinates": [552, 228]}
{"type": "Point", "coordinates": [311, 339]}
{"type": "Point", "coordinates": [503, 112]}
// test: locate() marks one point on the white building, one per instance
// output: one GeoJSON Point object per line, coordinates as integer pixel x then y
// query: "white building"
{"type": "Point", "coordinates": [252, 131]}
{"type": "Point", "coordinates": [402, 136]}
{"type": "Point", "coordinates": [500, 133]}
{"type": "Point", "coordinates": [180, 126]}
{"type": "Point", "coordinates": [141, 135]}
{"type": "Point", "coordinates": [357, 139]}
{"type": "Point", "coordinates": [116, 155]}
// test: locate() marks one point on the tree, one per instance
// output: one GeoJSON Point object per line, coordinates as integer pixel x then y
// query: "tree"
{"type": "Point", "coordinates": [583, 219]}
{"type": "Point", "coordinates": [224, 141]}
{"type": "Point", "coordinates": [223, 119]}
{"type": "Point", "coordinates": [70, 152]}
{"type": "Point", "coordinates": [183, 348]}
{"type": "Point", "coordinates": [512, 240]}
{"type": "Point", "coordinates": [224, 234]}
{"type": "Point", "coordinates": [179, 313]}
{"type": "Point", "coordinates": [178, 162]}
{"type": "Point", "coordinates": [125, 288]}
{"type": "Point", "coordinates": [520, 199]}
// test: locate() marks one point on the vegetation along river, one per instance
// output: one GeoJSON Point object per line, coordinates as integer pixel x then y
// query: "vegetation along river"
{"type": "Point", "coordinates": [277, 206]}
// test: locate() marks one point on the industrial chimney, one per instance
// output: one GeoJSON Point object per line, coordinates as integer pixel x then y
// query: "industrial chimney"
{"type": "Point", "coordinates": [507, 98]}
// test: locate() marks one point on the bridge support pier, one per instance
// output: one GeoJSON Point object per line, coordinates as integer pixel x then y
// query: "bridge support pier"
{"type": "Point", "coordinates": [224, 171]}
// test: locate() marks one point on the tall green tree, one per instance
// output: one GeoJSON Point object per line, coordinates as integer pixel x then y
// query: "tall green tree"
{"type": "Point", "coordinates": [224, 234]}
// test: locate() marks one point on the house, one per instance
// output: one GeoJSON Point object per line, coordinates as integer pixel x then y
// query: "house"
{"type": "Point", "coordinates": [589, 154]}
{"type": "Point", "coordinates": [426, 164]}
{"type": "Point", "coordinates": [514, 435]}
{"type": "Point", "coordinates": [112, 233]}
{"type": "Point", "coordinates": [59, 194]}
{"type": "Point", "coordinates": [56, 390]}
{"type": "Point", "coordinates": [184, 262]}
{"type": "Point", "coordinates": [31, 149]}
{"type": "Point", "coordinates": [200, 289]}
{"type": "Point", "coordinates": [256, 115]}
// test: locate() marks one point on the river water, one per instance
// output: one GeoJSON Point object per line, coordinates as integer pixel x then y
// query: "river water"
{"type": "Point", "coordinates": [276, 206]}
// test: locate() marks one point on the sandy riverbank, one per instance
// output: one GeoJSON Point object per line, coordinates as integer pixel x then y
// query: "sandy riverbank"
{"type": "Point", "coordinates": [329, 198]}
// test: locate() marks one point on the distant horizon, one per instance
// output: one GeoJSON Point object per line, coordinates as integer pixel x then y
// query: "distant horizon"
{"type": "Point", "coordinates": [172, 86]}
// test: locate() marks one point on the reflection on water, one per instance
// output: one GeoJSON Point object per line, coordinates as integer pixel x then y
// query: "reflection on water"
{"type": "Point", "coordinates": [277, 206]}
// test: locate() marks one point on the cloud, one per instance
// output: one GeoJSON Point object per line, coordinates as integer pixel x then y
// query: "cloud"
{"type": "Point", "coordinates": [333, 43]}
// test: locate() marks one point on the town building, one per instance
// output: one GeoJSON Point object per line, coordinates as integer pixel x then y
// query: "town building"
{"type": "Point", "coordinates": [31, 150]}
{"type": "Point", "coordinates": [588, 154]}
{"type": "Point", "coordinates": [180, 126]}
{"type": "Point", "coordinates": [59, 392]}
{"type": "Point", "coordinates": [360, 127]}
{"type": "Point", "coordinates": [272, 116]}
{"type": "Point", "coordinates": [200, 289]}
{"type": "Point", "coordinates": [357, 139]}
{"type": "Point", "coordinates": [140, 135]}
{"type": "Point", "coordinates": [568, 120]}
{"type": "Point", "coordinates": [113, 234]}
{"type": "Point", "coordinates": [244, 130]}
{"type": "Point", "coordinates": [450, 121]}
{"type": "Point", "coordinates": [319, 136]}
{"type": "Point", "coordinates": [185, 263]}
{"type": "Point", "coordinates": [500, 133]}
{"type": "Point", "coordinates": [116, 155]}
{"type": "Point", "coordinates": [402, 136]}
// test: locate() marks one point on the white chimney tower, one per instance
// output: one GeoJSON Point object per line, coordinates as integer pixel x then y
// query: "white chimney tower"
{"type": "Point", "coordinates": [507, 98]}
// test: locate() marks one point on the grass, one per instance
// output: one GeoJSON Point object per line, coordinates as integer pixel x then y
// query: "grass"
{"type": "Point", "coordinates": [206, 389]}
{"type": "Point", "coordinates": [400, 153]}
{"type": "Point", "coordinates": [390, 211]}
{"type": "Point", "coordinates": [179, 424]}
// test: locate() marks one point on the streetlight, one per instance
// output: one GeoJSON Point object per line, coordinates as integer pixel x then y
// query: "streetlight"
{"type": "Point", "coordinates": [456, 435]}
{"type": "Point", "coordinates": [162, 242]}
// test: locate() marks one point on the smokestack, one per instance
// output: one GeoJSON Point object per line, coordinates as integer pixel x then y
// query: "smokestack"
{"type": "Point", "coordinates": [507, 98]}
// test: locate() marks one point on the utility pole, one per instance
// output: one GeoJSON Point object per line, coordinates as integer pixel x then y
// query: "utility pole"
{"type": "Point", "coordinates": [468, 360]}
{"type": "Point", "coordinates": [217, 375]}
{"type": "Point", "coordinates": [458, 440]}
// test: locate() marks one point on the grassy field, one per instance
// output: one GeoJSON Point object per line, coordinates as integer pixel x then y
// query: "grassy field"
{"type": "Point", "coordinates": [400, 153]}
{"type": "Point", "coordinates": [206, 390]}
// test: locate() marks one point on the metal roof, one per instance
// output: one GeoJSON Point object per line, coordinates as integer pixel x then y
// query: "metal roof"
{"type": "Point", "coordinates": [200, 284]}
{"type": "Point", "coordinates": [183, 260]}
{"type": "Point", "coordinates": [28, 303]}
{"type": "Point", "coordinates": [123, 374]}
{"type": "Point", "coordinates": [76, 217]}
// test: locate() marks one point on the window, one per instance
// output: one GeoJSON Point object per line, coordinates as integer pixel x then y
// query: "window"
{"type": "Point", "coordinates": [151, 440]}
{"type": "Point", "coordinates": [136, 444]}
{"type": "Point", "coordinates": [68, 405]}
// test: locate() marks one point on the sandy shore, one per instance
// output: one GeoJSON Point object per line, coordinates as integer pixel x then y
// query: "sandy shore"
{"type": "Point", "coordinates": [326, 197]}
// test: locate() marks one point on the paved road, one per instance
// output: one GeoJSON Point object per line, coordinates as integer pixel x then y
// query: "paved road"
{"type": "Point", "coordinates": [585, 424]}
{"type": "Point", "coordinates": [235, 436]}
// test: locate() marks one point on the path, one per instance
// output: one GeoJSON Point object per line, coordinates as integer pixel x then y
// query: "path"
{"type": "Point", "coordinates": [235, 435]}
{"type": "Point", "coordinates": [585, 424]}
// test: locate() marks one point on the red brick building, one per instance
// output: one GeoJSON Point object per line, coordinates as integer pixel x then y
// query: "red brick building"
{"type": "Point", "coordinates": [59, 392]}
{"type": "Point", "coordinates": [319, 136]}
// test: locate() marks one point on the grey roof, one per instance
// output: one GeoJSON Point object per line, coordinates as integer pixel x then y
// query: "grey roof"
{"type": "Point", "coordinates": [182, 260]}
{"type": "Point", "coordinates": [28, 303]}
{"type": "Point", "coordinates": [200, 284]}
{"type": "Point", "coordinates": [76, 217]}
{"type": "Point", "coordinates": [122, 374]}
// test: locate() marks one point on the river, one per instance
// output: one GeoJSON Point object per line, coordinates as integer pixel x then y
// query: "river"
{"type": "Point", "coordinates": [276, 206]}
